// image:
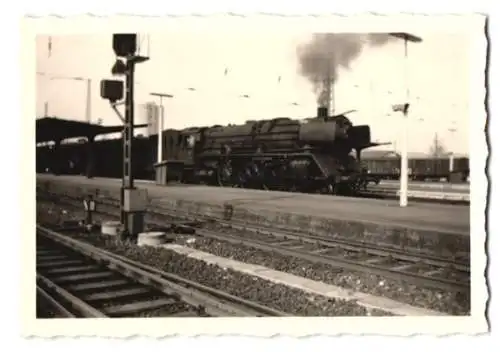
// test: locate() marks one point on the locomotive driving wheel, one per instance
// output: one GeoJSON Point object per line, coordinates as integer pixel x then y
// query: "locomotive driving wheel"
{"type": "Point", "coordinates": [255, 175]}
{"type": "Point", "coordinates": [225, 175]}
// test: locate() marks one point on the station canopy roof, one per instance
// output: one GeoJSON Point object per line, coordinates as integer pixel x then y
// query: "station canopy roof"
{"type": "Point", "coordinates": [53, 128]}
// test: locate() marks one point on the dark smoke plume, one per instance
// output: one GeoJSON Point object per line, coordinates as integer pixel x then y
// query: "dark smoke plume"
{"type": "Point", "coordinates": [321, 58]}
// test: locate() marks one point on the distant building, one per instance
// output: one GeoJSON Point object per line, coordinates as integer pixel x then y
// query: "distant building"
{"type": "Point", "coordinates": [149, 113]}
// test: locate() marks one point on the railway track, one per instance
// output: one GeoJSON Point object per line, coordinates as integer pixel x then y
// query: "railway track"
{"type": "Point", "coordinates": [79, 280]}
{"type": "Point", "coordinates": [416, 268]}
{"type": "Point", "coordinates": [412, 269]}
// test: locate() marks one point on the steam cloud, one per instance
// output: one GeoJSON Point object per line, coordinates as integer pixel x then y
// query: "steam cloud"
{"type": "Point", "coordinates": [321, 58]}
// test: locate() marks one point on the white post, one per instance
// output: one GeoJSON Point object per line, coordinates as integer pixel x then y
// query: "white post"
{"type": "Point", "coordinates": [403, 191]}
{"type": "Point", "coordinates": [160, 132]}
{"type": "Point", "coordinates": [451, 161]}
{"type": "Point", "coordinates": [88, 108]}
{"type": "Point", "coordinates": [46, 109]}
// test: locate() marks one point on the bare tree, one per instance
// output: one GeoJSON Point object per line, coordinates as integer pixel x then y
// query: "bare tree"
{"type": "Point", "coordinates": [437, 149]}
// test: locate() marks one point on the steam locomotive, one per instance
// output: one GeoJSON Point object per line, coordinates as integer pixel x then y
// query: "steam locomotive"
{"type": "Point", "coordinates": [319, 154]}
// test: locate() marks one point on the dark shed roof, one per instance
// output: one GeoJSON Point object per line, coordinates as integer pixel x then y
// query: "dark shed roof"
{"type": "Point", "coordinates": [53, 128]}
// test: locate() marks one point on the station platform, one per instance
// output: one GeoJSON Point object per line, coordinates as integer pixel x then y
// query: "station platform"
{"type": "Point", "coordinates": [440, 229]}
{"type": "Point", "coordinates": [434, 186]}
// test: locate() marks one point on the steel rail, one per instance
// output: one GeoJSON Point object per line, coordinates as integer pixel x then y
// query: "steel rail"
{"type": "Point", "coordinates": [83, 308]}
{"type": "Point", "coordinates": [190, 292]}
{"type": "Point", "coordinates": [366, 267]}
{"type": "Point", "coordinates": [357, 246]}
{"type": "Point", "coordinates": [184, 282]}
{"type": "Point", "coordinates": [54, 303]}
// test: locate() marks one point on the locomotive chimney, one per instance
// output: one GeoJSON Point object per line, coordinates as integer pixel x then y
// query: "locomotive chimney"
{"type": "Point", "coordinates": [322, 112]}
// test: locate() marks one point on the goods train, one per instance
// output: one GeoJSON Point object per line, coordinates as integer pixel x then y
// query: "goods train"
{"type": "Point", "coordinates": [419, 169]}
{"type": "Point", "coordinates": [320, 154]}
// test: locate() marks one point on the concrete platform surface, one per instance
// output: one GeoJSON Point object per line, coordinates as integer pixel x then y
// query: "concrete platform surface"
{"type": "Point", "coordinates": [436, 186]}
{"type": "Point", "coordinates": [431, 227]}
{"type": "Point", "coordinates": [421, 193]}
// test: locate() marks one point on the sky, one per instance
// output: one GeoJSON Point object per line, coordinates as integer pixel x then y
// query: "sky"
{"type": "Point", "coordinates": [439, 71]}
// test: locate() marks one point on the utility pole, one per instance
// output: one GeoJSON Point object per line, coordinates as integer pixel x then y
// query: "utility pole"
{"type": "Point", "coordinates": [133, 200]}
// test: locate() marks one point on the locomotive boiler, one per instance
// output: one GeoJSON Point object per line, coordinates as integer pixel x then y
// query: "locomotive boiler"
{"type": "Point", "coordinates": [319, 154]}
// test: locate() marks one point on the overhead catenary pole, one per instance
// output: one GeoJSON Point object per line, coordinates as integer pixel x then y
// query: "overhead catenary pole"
{"type": "Point", "coordinates": [330, 98]}
{"type": "Point", "coordinates": [452, 131]}
{"type": "Point", "coordinates": [46, 103]}
{"type": "Point", "coordinates": [405, 109]}
{"type": "Point", "coordinates": [403, 201]}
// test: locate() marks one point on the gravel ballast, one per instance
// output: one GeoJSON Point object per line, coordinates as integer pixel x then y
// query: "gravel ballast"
{"type": "Point", "coordinates": [290, 300]}
{"type": "Point", "coordinates": [447, 302]}
{"type": "Point", "coordinates": [439, 300]}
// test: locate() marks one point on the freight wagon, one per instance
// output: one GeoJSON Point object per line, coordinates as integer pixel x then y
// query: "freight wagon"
{"type": "Point", "coordinates": [419, 169]}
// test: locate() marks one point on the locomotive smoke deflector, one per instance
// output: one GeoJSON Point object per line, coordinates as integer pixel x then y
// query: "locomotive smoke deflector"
{"type": "Point", "coordinates": [360, 136]}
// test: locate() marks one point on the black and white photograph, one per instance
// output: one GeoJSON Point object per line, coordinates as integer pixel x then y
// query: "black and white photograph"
{"type": "Point", "coordinates": [238, 171]}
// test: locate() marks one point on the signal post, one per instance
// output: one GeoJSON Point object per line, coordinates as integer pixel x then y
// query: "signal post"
{"type": "Point", "coordinates": [133, 200]}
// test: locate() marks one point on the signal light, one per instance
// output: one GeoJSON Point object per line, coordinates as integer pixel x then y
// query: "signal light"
{"type": "Point", "coordinates": [119, 68]}
{"type": "Point", "coordinates": [124, 44]}
{"type": "Point", "coordinates": [112, 90]}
